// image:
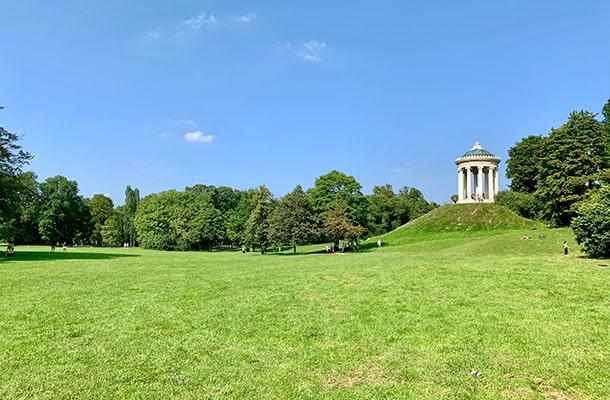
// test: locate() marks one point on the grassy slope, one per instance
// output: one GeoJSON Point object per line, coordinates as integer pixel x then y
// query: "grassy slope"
{"type": "Point", "coordinates": [409, 320]}
{"type": "Point", "coordinates": [468, 218]}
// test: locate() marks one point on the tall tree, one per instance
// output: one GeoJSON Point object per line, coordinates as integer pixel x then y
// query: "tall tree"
{"type": "Point", "coordinates": [523, 163]}
{"type": "Point", "coordinates": [606, 114]}
{"type": "Point", "coordinates": [416, 204]}
{"type": "Point", "coordinates": [153, 221]}
{"type": "Point", "coordinates": [237, 218]}
{"type": "Point", "coordinates": [12, 159]}
{"type": "Point", "coordinates": [64, 216]}
{"type": "Point", "coordinates": [112, 232]}
{"type": "Point", "coordinates": [574, 159]}
{"type": "Point", "coordinates": [386, 211]}
{"type": "Point", "coordinates": [337, 188]}
{"type": "Point", "coordinates": [132, 200]}
{"type": "Point", "coordinates": [22, 225]}
{"type": "Point", "coordinates": [173, 220]}
{"type": "Point", "coordinates": [198, 223]}
{"type": "Point", "coordinates": [101, 208]}
{"type": "Point", "coordinates": [257, 227]}
{"type": "Point", "coordinates": [340, 226]}
{"type": "Point", "coordinates": [293, 221]}
{"type": "Point", "coordinates": [225, 200]}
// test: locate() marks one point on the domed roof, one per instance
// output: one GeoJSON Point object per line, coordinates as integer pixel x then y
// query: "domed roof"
{"type": "Point", "coordinates": [478, 152]}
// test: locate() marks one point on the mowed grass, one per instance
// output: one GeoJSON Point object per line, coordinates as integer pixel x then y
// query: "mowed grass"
{"type": "Point", "coordinates": [408, 321]}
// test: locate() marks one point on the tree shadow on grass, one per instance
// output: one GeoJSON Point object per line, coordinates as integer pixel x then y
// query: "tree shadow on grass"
{"type": "Point", "coordinates": [25, 255]}
{"type": "Point", "coordinates": [364, 247]}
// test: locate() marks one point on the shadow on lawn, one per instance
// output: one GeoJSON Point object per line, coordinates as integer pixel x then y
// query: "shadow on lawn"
{"type": "Point", "coordinates": [364, 247]}
{"type": "Point", "coordinates": [25, 255]}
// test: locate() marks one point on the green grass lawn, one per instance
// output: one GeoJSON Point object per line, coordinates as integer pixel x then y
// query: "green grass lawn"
{"type": "Point", "coordinates": [407, 321]}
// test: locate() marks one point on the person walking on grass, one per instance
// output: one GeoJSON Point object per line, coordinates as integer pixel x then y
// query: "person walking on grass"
{"type": "Point", "coordinates": [566, 248]}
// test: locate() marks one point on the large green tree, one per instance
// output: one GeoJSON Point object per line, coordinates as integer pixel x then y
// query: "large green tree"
{"type": "Point", "coordinates": [591, 226]}
{"type": "Point", "coordinates": [339, 225]}
{"type": "Point", "coordinates": [12, 160]}
{"type": "Point", "coordinates": [199, 223]}
{"type": "Point", "coordinates": [293, 221]}
{"type": "Point", "coordinates": [225, 200]}
{"type": "Point", "coordinates": [22, 223]}
{"type": "Point", "coordinates": [413, 200]}
{"type": "Point", "coordinates": [173, 220]}
{"type": "Point", "coordinates": [386, 211]}
{"type": "Point", "coordinates": [132, 200]}
{"type": "Point", "coordinates": [237, 218]}
{"type": "Point", "coordinates": [523, 164]}
{"type": "Point", "coordinates": [153, 221]}
{"type": "Point", "coordinates": [338, 188]}
{"type": "Point", "coordinates": [574, 160]}
{"type": "Point", "coordinates": [257, 226]}
{"type": "Point", "coordinates": [64, 216]}
{"type": "Point", "coordinates": [113, 231]}
{"type": "Point", "coordinates": [606, 114]}
{"type": "Point", "coordinates": [101, 208]}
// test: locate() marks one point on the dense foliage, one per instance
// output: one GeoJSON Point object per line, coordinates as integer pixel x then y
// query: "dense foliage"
{"type": "Point", "coordinates": [12, 188]}
{"type": "Point", "coordinates": [556, 173]}
{"type": "Point", "coordinates": [257, 226]}
{"type": "Point", "coordinates": [592, 224]}
{"type": "Point", "coordinates": [523, 163]}
{"type": "Point", "coordinates": [524, 204]}
{"type": "Point", "coordinates": [337, 188]}
{"type": "Point", "coordinates": [292, 221]}
{"type": "Point", "coordinates": [175, 220]}
{"type": "Point", "coordinates": [64, 216]}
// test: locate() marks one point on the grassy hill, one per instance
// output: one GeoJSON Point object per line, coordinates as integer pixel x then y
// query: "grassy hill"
{"type": "Point", "coordinates": [475, 229]}
{"type": "Point", "coordinates": [470, 217]}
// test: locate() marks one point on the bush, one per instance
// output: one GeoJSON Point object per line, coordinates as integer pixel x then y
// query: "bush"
{"type": "Point", "coordinates": [524, 204]}
{"type": "Point", "coordinates": [591, 225]}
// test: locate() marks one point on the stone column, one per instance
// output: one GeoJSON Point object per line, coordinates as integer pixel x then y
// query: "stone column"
{"type": "Point", "coordinates": [491, 183]}
{"type": "Point", "coordinates": [468, 183]}
{"type": "Point", "coordinates": [479, 180]}
{"type": "Point", "coordinates": [496, 182]}
{"type": "Point", "coordinates": [487, 186]}
{"type": "Point", "coordinates": [459, 184]}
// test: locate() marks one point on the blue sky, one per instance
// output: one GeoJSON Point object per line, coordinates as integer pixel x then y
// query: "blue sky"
{"type": "Point", "coordinates": [162, 95]}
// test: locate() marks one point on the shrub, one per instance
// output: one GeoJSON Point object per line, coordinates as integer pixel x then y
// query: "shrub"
{"type": "Point", "coordinates": [592, 224]}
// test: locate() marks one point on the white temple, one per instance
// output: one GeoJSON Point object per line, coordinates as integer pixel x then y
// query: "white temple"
{"type": "Point", "coordinates": [477, 175]}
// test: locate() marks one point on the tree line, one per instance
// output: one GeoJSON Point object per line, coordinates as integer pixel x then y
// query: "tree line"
{"type": "Point", "coordinates": [200, 217]}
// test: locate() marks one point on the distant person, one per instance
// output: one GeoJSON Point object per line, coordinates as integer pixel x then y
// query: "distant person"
{"type": "Point", "coordinates": [566, 248]}
{"type": "Point", "coordinates": [52, 247]}
{"type": "Point", "coordinates": [10, 248]}
{"type": "Point", "coordinates": [378, 243]}
{"type": "Point", "coordinates": [64, 246]}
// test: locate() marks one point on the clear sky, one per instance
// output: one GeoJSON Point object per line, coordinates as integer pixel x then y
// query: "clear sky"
{"type": "Point", "coordinates": [162, 94]}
